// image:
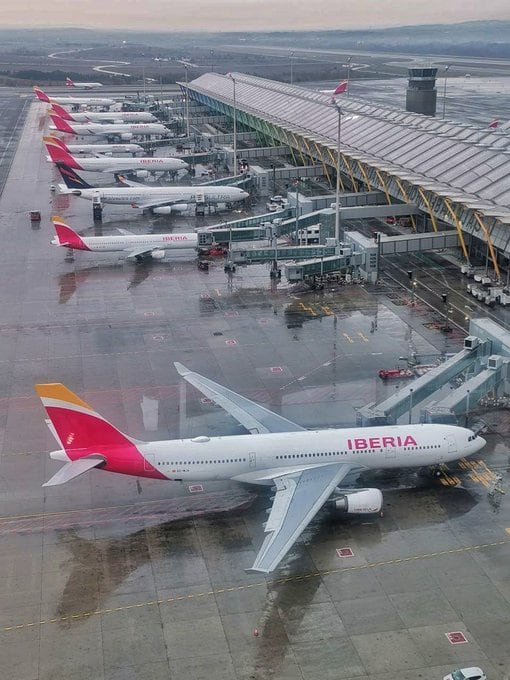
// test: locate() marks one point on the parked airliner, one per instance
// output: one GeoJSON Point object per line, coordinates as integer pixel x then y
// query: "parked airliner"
{"type": "Point", "coordinates": [102, 116]}
{"type": "Point", "coordinates": [305, 467]}
{"type": "Point", "coordinates": [139, 165]}
{"type": "Point", "coordinates": [160, 200]}
{"type": "Point", "coordinates": [133, 245]}
{"type": "Point", "coordinates": [120, 130]}
{"type": "Point", "coordinates": [95, 149]}
{"type": "Point", "coordinates": [73, 101]}
{"type": "Point", "coordinates": [82, 85]}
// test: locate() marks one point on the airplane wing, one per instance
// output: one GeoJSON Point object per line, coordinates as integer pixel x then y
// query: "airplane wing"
{"type": "Point", "coordinates": [159, 204]}
{"type": "Point", "coordinates": [125, 232]}
{"type": "Point", "coordinates": [139, 252]}
{"type": "Point", "coordinates": [255, 418]}
{"type": "Point", "coordinates": [299, 496]}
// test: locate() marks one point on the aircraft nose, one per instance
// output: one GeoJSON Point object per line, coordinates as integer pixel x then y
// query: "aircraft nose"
{"type": "Point", "coordinates": [481, 442]}
{"type": "Point", "coordinates": [243, 195]}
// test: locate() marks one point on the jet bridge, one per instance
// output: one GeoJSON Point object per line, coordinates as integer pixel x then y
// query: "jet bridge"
{"type": "Point", "coordinates": [461, 400]}
{"type": "Point", "coordinates": [390, 410]}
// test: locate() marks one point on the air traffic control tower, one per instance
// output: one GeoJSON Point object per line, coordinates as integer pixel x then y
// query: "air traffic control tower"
{"type": "Point", "coordinates": [421, 94]}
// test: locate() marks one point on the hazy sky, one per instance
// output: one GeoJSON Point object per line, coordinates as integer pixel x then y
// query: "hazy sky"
{"type": "Point", "coordinates": [245, 15]}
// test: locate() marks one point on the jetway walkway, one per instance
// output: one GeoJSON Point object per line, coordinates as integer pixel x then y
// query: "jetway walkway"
{"type": "Point", "coordinates": [460, 400]}
{"type": "Point", "coordinates": [390, 410]}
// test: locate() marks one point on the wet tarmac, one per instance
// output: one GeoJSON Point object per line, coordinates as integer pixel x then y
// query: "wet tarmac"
{"type": "Point", "coordinates": [110, 577]}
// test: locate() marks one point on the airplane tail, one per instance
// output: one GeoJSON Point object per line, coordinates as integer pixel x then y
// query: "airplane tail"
{"type": "Point", "coordinates": [61, 124]}
{"type": "Point", "coordinates": [41, 95]}
{"type": "Point", "coordinates": [69, 82]}
{"type": "Point", "coordinates": [60, 111]}
{"type": "Point", "coordinates": [87, 439]}
{"type": "Point", "coordinates": [66, 236]}
{"type": "Point", "coordinates": [59, 154]}
{"type": "Point", "coordinates": [71, 179]}
{"type": "Point", "coordinates": [55, 141]}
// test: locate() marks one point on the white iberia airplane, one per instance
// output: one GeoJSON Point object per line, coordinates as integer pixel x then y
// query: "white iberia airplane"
{"type": "Point", "coordinates": [120, 130]}
{"type": "Point", "coordinates": [73, 101]}
{"type": "Point", "coordinates": [95, 149]}
{"type": "Point", "coordinates": [306, 467]}
{"type": "Point", "coordinates": [141, 165]}
{"type": "Point", "coordinates": [102, 116]}
{"type": "Point", "coordinates": [160, 200]}
{"type": "Point", "coordinates": [135, 246]}
{"type": "Point", "coordinates": [82, 85]}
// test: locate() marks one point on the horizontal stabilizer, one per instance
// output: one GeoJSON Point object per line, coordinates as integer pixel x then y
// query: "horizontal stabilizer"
{"type": "Point", "coordinates": [75, 468]}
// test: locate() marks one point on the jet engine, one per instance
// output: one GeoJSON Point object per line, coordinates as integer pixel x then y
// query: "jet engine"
{"type": "Point", "coordinates": [168, 209]}
{"type": "Point", "coordinates": [362, 502]}
{"type": "Point", "coordinates": [158, 254]}
{"type": "Point", "coordinates": [141, 174]}
{"type": "Point", "coordinates": [126, 136]}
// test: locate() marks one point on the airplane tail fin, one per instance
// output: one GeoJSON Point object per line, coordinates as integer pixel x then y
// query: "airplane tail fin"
{"type": "Point", "coordinates": [71, 179]}
{"type": "Point", "coordinates": [66, 236]}
{"type": "Point", "coordinates": [58, 154]}
{"type": "Point", "coordinates": [55, 141]}
{"type": "Point", "coordinates": [86, 438]}
{"type": "Point", "coordinates": [61, 124]}
{"type": "Point", "coordinates": [69, 82]}
{"type": "Point", "coordinates": [60, 111]}
{"type": "Point", "coordinates": [41, 95]}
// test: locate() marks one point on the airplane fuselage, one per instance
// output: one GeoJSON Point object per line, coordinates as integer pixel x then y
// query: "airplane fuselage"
{"type": "Point", "coordinates": [104, 148]}
{"type": "Point", "coordinates": [129, 195]}
{"type": "Point", "coordinates": [151, 164]}
{"type": "Point", "coordinates": [244, 458]}
{"type": "Point", "coordinates": [133, 129]}
{"type": "Point", "coordinates": [105, 244]}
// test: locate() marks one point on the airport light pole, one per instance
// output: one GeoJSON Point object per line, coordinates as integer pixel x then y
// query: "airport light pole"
{"type": "Point", "coordinates": [446, 69]}
{"type": "Point", "coordinates": [349, 60]}
{"type": "Point", "coordinates": [212, 61]}
{"type": "Point", "coordinates": [234, 170]}
{"type": "Point", "coordinates": [187, 102]}
{"type": "Point", "coordinates": [291, 68]}
{"type": "Point", "coordinates": [410, 404]}
{"type": "Point", "coordinates": [337, 193]}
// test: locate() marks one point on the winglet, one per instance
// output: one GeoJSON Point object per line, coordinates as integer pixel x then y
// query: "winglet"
{"type": "Point", "coordinates": [181, 369]}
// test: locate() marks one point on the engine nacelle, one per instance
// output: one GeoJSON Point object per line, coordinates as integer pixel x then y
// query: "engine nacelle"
{"type": "Point", "coordinates": [126, 136]}
{"type": "Point", "coordinates": [168, 209]}
{"type": "Point", "coordinates": [363, 502]}
{"type": "Point", "coordinates": [158, 254]}
{"type": "Point", "coordinates": [141, 173]}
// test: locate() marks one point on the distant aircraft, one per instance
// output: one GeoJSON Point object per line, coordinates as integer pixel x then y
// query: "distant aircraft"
{"type": "Point", "coordinates": [82, 86]}
{"type": "Point", "coordinates": [120, 130]}
{"type": "Point", "coordinates": [160, 200]}
{"type": "Point", "coordinates": [73, 101]}
{"type": "Point", "coordinates": [138, 164]}
{"type": "Point", "coordinates": [102, 116]}
{"type": "Point", "coordinates": [305, 467]}
{"type": "Point", "coordinates": [133, 245]}
{"type": "Point", "coordinates": [94, 149]}
{"type": "Point", "coordinates": [339, 89]}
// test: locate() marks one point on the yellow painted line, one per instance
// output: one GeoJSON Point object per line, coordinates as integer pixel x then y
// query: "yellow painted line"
{"type": "Point", "coordinates": [363, 337]}
{"type": "Point", "coordinates": [348, 338]}
{"type": "Point", "coordinates": [507, 531]}
{"type": "Point", "coordinates": [258, 584]}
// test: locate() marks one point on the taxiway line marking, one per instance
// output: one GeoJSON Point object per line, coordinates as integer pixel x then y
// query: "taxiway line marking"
{"type": "Point", "coordinates": [259, 584]}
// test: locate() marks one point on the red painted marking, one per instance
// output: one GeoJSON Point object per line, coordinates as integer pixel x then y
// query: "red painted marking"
{"type": "Point", "coordinates": [456, 637]}
{"type": "Point", "coordinates": [158, 337]}
{"type": "Point", "coordinates": [276, 369]}
{"type": "Point", "coordinates": [149, 313]}
{"type": "Point", "coordinates": [232, 312]}
{"type": "Point", "coordinates": [195, 488]}
{"type": "Point", "coordinates": [263, 321]}
{"type": "Point", "coordinates": [231, 342]}
{"type": "Point", "coordinates": [344, 552]}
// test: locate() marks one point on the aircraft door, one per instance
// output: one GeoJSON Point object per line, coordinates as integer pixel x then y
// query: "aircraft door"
{"type": "Point", "coordinates": [452, 444]}
{"type": "Point", "coordinates": [390, 452]}
{"type": "Point", "coordinates": [253, 461]}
